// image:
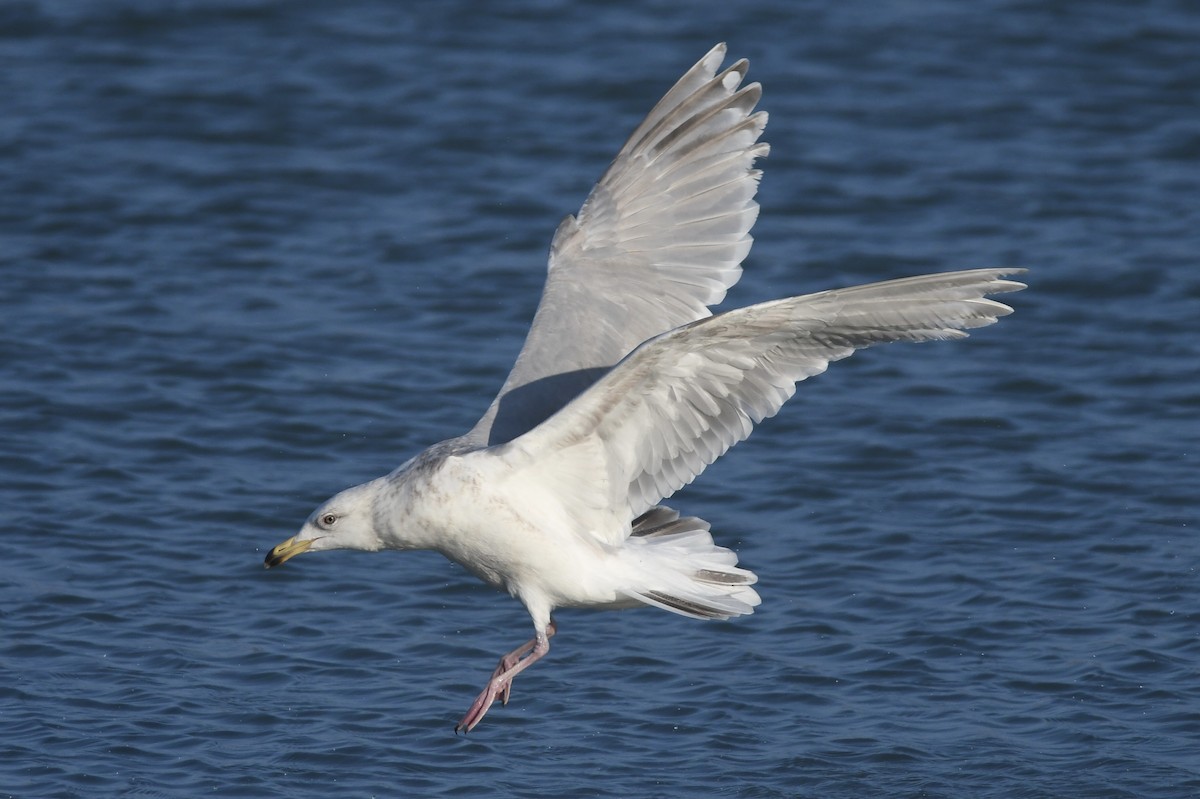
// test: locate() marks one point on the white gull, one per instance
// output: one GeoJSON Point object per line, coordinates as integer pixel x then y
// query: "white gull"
{"type": "Point", "coordinates": [627, 387]}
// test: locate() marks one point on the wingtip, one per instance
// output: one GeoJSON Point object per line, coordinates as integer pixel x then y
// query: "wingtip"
{"type": "Point", "coordinates": [1001, 285]}
{"type": "Point", "coordinates": [713, 58]}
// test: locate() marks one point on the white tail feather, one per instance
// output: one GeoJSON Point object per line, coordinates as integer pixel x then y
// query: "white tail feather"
{"type": "Point", "coordinates": [676, 566]}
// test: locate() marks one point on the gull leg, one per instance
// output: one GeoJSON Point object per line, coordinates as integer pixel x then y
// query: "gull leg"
{"type": "Point", "coordinates": [512, 658]}
{"type": "Point", "coordinates": [500, 684]}
{"type": "Point", "coordinates": [506, 664]}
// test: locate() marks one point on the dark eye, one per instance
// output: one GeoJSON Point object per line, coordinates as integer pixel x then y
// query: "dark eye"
{"type": "Point", "coordinates": [329, 519]}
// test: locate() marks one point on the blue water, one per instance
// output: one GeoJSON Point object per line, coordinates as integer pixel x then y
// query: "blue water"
{"type": "Point", "coordinates": [254, 252]}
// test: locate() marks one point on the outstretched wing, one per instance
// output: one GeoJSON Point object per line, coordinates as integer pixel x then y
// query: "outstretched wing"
{"type": "Point", "coordinates": [659, 239]}
{"type": "Point", "coordinates": [682, 399]}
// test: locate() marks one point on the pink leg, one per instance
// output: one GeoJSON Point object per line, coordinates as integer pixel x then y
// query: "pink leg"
{"type": "Point", "coordinates": [500, 685]}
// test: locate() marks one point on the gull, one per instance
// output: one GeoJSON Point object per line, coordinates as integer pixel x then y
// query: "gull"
{"type": "Point", "coordinates": [627, 387]}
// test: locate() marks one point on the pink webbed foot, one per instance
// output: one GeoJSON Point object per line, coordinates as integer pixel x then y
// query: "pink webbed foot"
{"type": "Point", "coordinates": [500, 684]}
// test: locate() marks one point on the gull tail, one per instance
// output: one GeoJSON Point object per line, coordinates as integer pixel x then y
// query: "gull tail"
{"type": "Point", "coordinates": [680, 569]}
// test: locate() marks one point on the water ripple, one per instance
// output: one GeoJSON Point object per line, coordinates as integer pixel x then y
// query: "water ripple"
{"type": "Point", "coordinates": [260, 251]}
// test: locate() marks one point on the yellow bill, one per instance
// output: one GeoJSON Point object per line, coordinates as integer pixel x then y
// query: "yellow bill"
{"type": "Point", "coordinates": [286, 551]}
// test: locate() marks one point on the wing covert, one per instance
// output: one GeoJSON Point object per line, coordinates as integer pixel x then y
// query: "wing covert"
{"type": "Point", "coordinates": [682, 399]}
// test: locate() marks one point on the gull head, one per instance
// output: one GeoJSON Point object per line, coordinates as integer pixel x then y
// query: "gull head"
{"type": "Point", "coordinates": [345, 521]}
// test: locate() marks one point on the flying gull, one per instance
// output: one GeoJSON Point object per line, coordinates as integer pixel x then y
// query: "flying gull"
{"type": "Point", "coordinates": [627, 387]}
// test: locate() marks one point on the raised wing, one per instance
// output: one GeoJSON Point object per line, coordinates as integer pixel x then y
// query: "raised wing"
{"type": "Point", "coordinates": [682, 399]}
{"type": "Point", "coordinates": [659, 239]}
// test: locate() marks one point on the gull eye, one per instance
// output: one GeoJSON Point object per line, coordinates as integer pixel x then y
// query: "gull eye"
{"type": "Point", "coordinates": [329, 519]}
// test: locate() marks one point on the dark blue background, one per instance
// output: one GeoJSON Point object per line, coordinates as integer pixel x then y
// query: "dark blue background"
{"type": "Point", "coordinates": [255, 252]}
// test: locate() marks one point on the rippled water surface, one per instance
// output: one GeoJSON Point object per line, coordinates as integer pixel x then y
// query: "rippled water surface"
{"type": "Point", "coordinates": [254, 252]}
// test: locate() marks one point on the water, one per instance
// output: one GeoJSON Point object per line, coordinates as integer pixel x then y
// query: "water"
{"type": "Point", "coordinates": [255, 252]}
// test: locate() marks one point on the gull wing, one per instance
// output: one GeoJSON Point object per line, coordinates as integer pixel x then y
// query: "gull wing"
{"type": "Point", "coordinates": [659, 239]}
{"type": "Point", "coordinates": [680, 400]}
